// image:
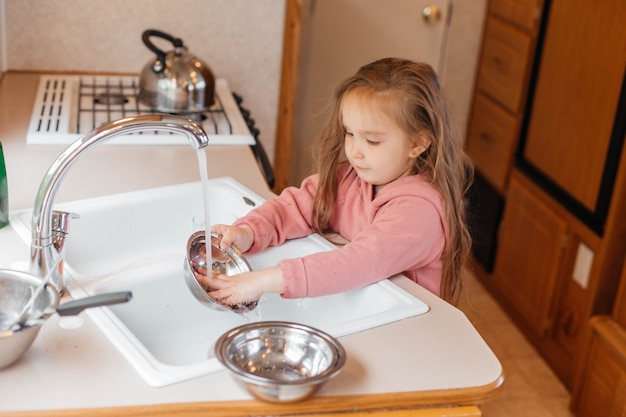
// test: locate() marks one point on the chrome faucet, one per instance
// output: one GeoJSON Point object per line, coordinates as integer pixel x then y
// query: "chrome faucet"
{"type": "Point", "coordinates": [49, 228]}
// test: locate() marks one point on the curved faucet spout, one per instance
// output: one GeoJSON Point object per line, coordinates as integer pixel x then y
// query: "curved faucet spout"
{"type": "Point", "coordinates": [46, 256]}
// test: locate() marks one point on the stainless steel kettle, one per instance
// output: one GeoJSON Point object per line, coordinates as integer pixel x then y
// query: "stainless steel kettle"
{"type": "Point", "coordinates": [176, 82]}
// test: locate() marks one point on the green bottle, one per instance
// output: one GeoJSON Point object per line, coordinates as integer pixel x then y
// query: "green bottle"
{"type": "Point", "coordinates": [4, 192]}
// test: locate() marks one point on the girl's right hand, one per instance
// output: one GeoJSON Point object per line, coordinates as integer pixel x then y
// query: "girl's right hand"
{"type": "Point", "coordinates": [241, 236]}
{"type": "Point", "coordinates": [245, 287]}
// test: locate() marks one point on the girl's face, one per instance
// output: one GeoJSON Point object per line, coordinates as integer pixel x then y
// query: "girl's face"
{"type": "Point", "coordinates": [375, 145]}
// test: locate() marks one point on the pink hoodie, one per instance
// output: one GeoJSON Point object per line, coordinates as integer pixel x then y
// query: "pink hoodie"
{"type": "Point", "coordinates": [400, 230]}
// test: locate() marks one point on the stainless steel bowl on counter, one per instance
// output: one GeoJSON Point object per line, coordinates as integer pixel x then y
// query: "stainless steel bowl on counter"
{"type": "Point", "coordinates": [279, 361]}
{"type": "Point", "coordinates": [16, 290]}
{"type": "Point", "coordinates": [226, 262]}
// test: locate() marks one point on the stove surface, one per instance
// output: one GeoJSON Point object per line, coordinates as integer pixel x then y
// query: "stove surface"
{"type": "Point", "coordinates": [69, 106]}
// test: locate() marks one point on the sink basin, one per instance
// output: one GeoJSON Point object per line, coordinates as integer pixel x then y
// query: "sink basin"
{"type": "Point", "coordinates": [136, 241]}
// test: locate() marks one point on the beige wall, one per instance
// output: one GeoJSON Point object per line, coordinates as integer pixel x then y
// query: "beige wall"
{"type": "Point", "coordinates": [2, 39]}
{"type": "Point", "coordinates": [241, 40]}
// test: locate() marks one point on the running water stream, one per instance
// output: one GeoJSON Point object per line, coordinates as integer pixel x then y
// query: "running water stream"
{"type": "Point", "coordinates": [250, 315]}
{"type": "Point", "coordinates": [204, 180]}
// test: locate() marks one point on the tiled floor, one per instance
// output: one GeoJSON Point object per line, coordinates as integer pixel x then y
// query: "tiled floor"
{"type": "Point", "coordinates": [530, 387]}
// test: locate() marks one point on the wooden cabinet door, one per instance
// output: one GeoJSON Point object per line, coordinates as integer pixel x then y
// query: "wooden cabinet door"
{"type": "Point", "coordinates": [577, 94]}
{"type": "Point", "coordinates": [504, 64]}
{"type": "Point", "coordinates": [491, 141]}
{"type": "Point", "coordinates": [602, 390]}
{"type": "Point", "coordinates": [522, 13]}
{"type": "Point", "coordinates": [529, 254]}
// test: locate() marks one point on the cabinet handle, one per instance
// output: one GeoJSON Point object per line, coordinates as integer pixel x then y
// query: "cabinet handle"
{"type": "Point", "coordinates": [569, 321]}
{"type": "Point", "coordinates": [500, 64]}
{"type": "Point", "coordinates": [486, 137]}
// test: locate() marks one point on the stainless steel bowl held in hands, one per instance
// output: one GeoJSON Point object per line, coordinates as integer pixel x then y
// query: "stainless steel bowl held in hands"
{"type": "Point", "coordinates": [278, 361]}
{"type": "Point", "coordinates": [226, 262]}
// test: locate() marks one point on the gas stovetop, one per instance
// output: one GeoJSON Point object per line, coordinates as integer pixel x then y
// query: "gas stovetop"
{"type": "Point", "coordinates": [69, 106]}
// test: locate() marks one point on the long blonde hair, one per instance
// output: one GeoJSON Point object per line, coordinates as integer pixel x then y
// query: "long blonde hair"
{"type": "Point", "coordinates": [420, 106]}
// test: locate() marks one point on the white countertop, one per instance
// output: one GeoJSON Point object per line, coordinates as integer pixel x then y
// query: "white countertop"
{"type": "Point", "coordinates": [439, 352]}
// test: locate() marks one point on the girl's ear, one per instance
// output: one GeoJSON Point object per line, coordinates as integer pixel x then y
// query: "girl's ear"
{"type": "Point", "coordinates": [420, 144]}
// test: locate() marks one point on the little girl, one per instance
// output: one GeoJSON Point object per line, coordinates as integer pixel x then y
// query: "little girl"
{"type": "Point", "coordinates": [391, 175]}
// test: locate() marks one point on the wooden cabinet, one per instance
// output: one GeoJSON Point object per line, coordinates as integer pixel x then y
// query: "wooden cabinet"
{"type": "Point", "coordinates": [604, 390]}
{"type": "Point", "coordinates": [521, 13]}
{"type": "Point", "coordinates": [572, 135]}
{"type": "Point", "coordinates": [530, 252]}
{"type": "Point", "coordinates": [503, 73]}
{"type": "Point", "coordinates": [539, 278]}
{"type": "Point", "coordinates": [491, 141]}
{"type": "Point", "coordinates": [556, 154]}
{"type": "Point", "coordinates": [601, 384]}
{"type": "Point", "coordinates": [504, 64]}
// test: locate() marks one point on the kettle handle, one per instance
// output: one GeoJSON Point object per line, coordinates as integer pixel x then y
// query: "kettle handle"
{"type": "Point", "coordinates": [159, 64]}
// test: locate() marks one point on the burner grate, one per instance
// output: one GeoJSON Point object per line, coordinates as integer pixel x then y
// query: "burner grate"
{"type": "Point", "coordinates": [101, 100]}
{"type": "Point", "coordinates": [68, 107]}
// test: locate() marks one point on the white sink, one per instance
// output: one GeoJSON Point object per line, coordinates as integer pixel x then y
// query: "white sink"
{"type": "Point", "coordinates": [136, 241]}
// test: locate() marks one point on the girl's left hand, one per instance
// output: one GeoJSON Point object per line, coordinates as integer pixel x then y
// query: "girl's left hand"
{"type": "Point", "coordinates": [243, 288]}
